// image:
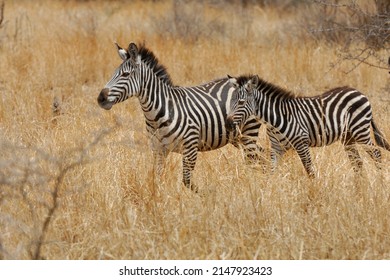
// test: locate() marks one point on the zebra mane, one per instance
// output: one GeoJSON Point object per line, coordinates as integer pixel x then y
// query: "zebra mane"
{"type": "Point", "coordinates": [148, 57]}
{"type": "Point", "coordinates": [265, 86]}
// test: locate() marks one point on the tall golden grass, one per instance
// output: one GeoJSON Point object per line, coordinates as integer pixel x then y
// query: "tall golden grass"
{"type": "Point", "coordinates": [77, 182]}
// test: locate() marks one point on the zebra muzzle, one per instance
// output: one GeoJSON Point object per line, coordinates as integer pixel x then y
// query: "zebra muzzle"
{"type": "Point", "coordinates": [103, 99]}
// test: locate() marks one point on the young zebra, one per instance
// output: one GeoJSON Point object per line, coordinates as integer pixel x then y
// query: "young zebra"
{"type": "Point", "coordinates": [178, 119]}
{"type": "Point", "coordinates": [301, 122]}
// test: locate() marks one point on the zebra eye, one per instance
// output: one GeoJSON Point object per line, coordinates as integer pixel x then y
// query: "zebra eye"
{"type": "Point", "coordinates": [125, 74]}
{"type": "Point", "coordinates": [241, 101]}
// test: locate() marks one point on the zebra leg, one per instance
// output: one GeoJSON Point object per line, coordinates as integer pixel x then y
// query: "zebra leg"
{"type": "Point", "coordinates": [276, 153]}
{"type": "Point", "coordinates": [249, 136]}
{"type": "Point", "coordinates": [364, 139]}
{"type": "Point", "coordinates": [304, 154]}
{"type": "Point", "coordinates": [159, 161]}
{"type": "Point", "coordinates": [354, 157]}
{"type": "Point", "coordinates": [374, 153]}
{"type": "Point", "coordinates": [189, 161]}
{"type": "Point", "coordinates": [252, 151]}
{"type": "Point", "coordinates": [277, 149]}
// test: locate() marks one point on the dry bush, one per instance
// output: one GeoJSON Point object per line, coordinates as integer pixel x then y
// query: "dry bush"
{"type": "Point", "coordinates": [110, 205]}
{"type": "Point", "coordinates": [187, 20]}
{"type": "Point", "coordinates": [362, 28]}
{"type": "Point", "coordinates": [31, 189]}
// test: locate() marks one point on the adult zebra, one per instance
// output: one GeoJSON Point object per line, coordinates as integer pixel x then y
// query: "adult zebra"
{"type": "Point", "coordinates": [301, 122]}
{"type": "Point", "coordinates": [179, 119]}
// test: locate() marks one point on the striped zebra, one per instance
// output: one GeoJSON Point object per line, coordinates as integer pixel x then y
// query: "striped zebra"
{"type": "Point", "coordinates": [178, 119]}
{"type": "Point", "coordinates": [301, 122]}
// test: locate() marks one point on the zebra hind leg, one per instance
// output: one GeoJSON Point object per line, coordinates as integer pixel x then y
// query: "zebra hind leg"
{"type": "Point", "coordinates": [374, 153]}
{"type": "Point", "coordinates": [354, 157]}
{"type": "Point", "coordinates": [368, 145]}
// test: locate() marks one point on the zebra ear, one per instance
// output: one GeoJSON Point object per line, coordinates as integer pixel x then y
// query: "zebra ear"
{"type": "Point", "coordinates": [232, 81]}
{"type": "Point", "coordinates": [133, 52]}
{"type": "Point", "coordinates": [253, 82]}
{"type": "Point", "coordinates": [122, 52]}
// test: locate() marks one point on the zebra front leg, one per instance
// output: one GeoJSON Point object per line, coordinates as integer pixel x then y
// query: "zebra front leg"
{"type": "Point", "coordinates": [252, 151]}
{"type": "Point", "coordinates": [304, 154]}
{"type": "Point", "coordinates": [159, 162]}
{"type": "Point", "coordinates": [278, 146]}
{"type": "Point", "coordinates": [189, 161]}
{"type": "Point", "coordinates": [277, 151]}
{"type": "Point", "coordinates": [276, 154]}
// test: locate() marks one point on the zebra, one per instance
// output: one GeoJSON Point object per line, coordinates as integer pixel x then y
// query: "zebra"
{"type": "Point", "coordinates": [178, 119]}
{"type": "Point", "coordinates": [341, 113]}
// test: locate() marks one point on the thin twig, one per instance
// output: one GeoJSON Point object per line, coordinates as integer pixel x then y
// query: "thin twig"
{"type": "Point", "coordinates": [2, 13]}
{"type": "Point", "coordinates": [372, 29]}
{"type": "Point", "coordinates": [55, 194]}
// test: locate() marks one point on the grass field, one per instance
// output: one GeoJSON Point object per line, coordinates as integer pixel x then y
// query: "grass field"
{"type": "Point", "coordinates": [77, 182]}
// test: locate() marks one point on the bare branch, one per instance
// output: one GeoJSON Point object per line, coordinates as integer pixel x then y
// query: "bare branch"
{"type": "Point", "coordinates": [82, 159]}
{"type": "Point", "coordinates": [352, 26]}
{"type": "Point", "coordinates": [28, 181]}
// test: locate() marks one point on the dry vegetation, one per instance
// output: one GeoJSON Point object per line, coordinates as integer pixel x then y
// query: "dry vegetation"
{"type": "Point", "coordinates": [76, 182]}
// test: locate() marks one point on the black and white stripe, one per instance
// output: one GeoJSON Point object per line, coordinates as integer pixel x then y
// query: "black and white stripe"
{"type": "Point", "coordinates": [301, 122]}
{"type": "Point", "coordinates": [178, 119]}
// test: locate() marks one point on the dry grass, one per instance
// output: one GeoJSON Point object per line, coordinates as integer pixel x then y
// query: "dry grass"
{"type": "Point", "coordinates": [94, 167]}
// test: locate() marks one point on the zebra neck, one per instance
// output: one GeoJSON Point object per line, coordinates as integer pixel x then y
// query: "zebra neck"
{"type": "Point", "coordinates": [153, 99]}
{"type": "Point", "coordinates": [272, 110]}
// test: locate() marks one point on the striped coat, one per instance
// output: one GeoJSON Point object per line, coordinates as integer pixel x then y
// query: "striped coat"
{"type": "Point", "coordinates": [341, 114]}
{"type": "Point", "coordinates": [186, 120]}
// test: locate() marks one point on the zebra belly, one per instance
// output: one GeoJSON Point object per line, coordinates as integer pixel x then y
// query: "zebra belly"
{"type": "Point", "coordinates": [278, 139]}
{"type": "Point", "coordinates": [203, 146]}
{"type": "Point", "coordinates": [327, 133]}
{"type": "Point", "coordinates": [162, 140]}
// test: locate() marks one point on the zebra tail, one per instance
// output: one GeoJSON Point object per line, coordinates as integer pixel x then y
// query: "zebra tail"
{"type": "Point", "coordinates": [379, 138]}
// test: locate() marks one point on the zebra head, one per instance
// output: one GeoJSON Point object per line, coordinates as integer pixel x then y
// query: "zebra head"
{"type": "Point", "coordinates": [242, 103]}
{"type": "Point", "coordinates": [125, 81]}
